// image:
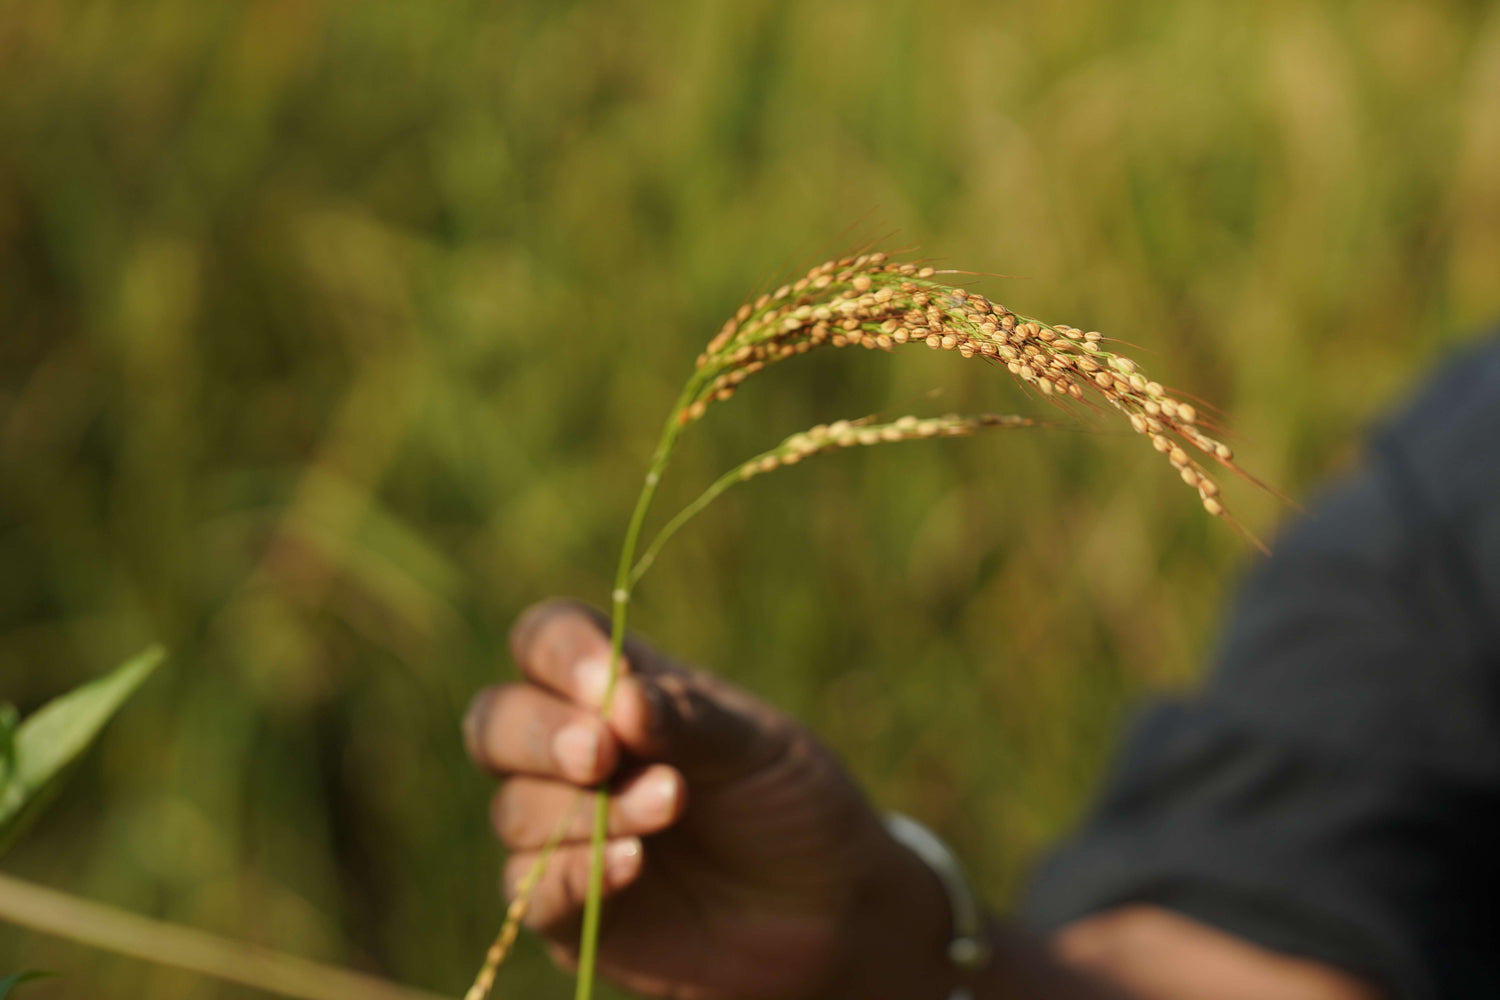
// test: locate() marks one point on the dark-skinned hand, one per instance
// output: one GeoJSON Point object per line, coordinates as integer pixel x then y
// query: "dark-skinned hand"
{"type": "Point", "coordinates": [742, 861]}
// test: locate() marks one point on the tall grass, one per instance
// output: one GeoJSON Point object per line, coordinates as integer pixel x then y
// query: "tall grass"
{"type": "Point", "coordinates": [332, 335]}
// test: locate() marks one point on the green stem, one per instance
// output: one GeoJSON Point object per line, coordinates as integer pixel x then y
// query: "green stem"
{"type": "Point", "coordinates": [588, 945]}
{"type": "Point", "coordinates": [111, 929]}
{"type": "Point", "coordinates": [516, 912]}
{"type": "Point", "coordinates": [749, 469]}
{"type": "Point", "coordinates": [685, 515]}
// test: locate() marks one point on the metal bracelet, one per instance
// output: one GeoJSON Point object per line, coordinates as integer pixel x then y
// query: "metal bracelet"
{"type": "Point", "coordinates": [968, 949]}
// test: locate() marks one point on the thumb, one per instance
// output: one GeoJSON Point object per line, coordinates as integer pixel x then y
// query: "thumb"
{"type": "Point", "coordinates": [705, 727]}
{"type": "Point", "coordinates": [710, 730]}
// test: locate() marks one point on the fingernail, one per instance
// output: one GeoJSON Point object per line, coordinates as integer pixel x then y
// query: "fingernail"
{"type": "Point", "coordinates": [591, 677]}
{"type": "Point", "coordinates": [622, 858]}
{"type": "Point", "coordinates": [656, 799]}
{"type": "Point", "coordinates": [576, 749]}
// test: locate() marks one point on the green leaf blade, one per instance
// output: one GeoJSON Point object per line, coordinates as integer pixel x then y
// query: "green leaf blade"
{"type": "Point", "coordinates": [57, 734]}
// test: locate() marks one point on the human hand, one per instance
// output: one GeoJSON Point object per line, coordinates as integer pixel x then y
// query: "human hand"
{"type": "Point", "coordinates": [742, 861]}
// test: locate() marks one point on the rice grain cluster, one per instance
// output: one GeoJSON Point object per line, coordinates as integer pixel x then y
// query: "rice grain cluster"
{"type": "Point", "coordinates": [873, 302]}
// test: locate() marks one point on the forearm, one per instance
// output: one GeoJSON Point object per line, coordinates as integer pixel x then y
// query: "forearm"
{"type": "Point", "coordinates": [900, 928]}
{"type": "Point", "coordinates": [896, 949]}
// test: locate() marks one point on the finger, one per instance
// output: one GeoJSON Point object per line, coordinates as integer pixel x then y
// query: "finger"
{"type": "Point", "coordinates": [526, 811]}
{"type": "Point", "coordinates": [557, 899]}
{"type": "Point", "coordinates": [521, 729]}
{"type": "Point", "coordinates": [706, 728]}
{"type": "Point", "coordinates": [564, 645]}
{"type": "Point", "coordinates": [709, 730]}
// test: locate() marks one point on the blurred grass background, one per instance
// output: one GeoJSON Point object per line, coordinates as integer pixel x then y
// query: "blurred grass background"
{"type": "Point", "coordinates": [332, 334]}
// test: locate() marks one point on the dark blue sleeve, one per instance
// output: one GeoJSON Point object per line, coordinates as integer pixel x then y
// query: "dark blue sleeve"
{"type": "Point", "coordinates": [1333, 791]}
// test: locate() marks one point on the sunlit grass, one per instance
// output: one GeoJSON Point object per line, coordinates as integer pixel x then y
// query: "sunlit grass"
{"type": "Point", "coordinates": [331, 336]}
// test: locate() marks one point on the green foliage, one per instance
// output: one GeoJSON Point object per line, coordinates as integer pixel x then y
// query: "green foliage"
{"type": "Point", "coordinates": [39, 751]}
{"type": "Point", "coordinates": [332, 334]}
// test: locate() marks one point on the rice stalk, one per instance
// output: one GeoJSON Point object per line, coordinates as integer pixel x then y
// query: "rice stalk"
{"type": "Point", "coordinates": [510, 929]}
{"type": "Point", "coordinates": [824, 437]}
{"type": "Point", "coordinates": [875, 303]}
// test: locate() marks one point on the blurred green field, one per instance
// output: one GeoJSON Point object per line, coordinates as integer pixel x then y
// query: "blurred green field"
{"type": "Point", "coordinates": [333, 334]}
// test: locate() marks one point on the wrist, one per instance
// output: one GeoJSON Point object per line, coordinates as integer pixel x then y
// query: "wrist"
{"type": "Point", "coordinates": [896, 938]}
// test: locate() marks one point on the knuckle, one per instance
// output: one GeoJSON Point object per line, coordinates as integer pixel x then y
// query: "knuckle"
{"type": "Point", "coordinates": [537, 625]}
{"type": "Point", "coordinates": [680, 704]}
{"type": "Point", "coordinates": [676, 695]}
{"type": "Point", "coordinates": [503, 698]}
{"type": "Point", "coordinates": [511, 822]}
{"type": "Point", "coordinates": [500, 711]}
{"type": "Point", "coordinates": [503, 729]}
{"type": "Point", "coordinates": [475, 719]}
{"type": "Point", "coordinates": [529, 626]}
